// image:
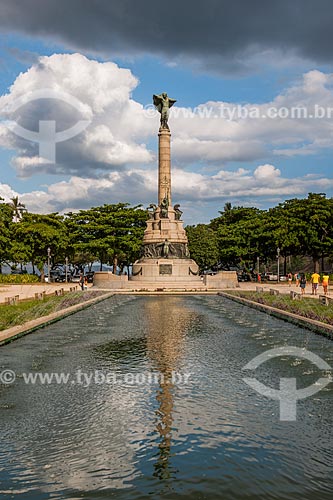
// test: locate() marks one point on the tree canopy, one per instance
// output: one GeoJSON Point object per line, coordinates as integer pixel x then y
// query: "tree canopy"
{"type": "Point", "coordinates": [113, 233]}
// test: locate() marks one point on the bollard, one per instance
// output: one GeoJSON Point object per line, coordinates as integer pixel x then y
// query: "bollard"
{"type": "Point", "coordinates": [11, 301]}
{"type": "Point", "coordinates": [295, 295]}
{"type": "Point", "coordinates": [259, 289]}
{"type": "Point", "coordinates": [272, 291]}
{"type": "Point", "coordinates": [324, 300]}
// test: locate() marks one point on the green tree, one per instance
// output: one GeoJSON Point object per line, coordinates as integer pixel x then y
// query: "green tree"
{"type": "Point", "coordinates": [109, 233]}
{"type": "Point", "coordinates": [237, 232]}
{"type": "Point", "coordinates": [203, 245]}
{"type": "Point", "coordinates": [17, 208]}
{"type": "Point", "coordinates": [5, 232]}
{"type": "Point", "coordinates": [305, 226]}
{"type": "Point", "coordinates": [35, 233]}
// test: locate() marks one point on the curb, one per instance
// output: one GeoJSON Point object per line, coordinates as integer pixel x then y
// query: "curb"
{"type": "Point", "coordinates": [18, 331]}
{"type": "Point", "coordinates": [311, 324]}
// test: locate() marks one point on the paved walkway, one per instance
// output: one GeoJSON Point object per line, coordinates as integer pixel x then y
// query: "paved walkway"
{"type": "Point", "coordinates": [29, 290]}
{"type": "Point", "coordinates": [285, 288]}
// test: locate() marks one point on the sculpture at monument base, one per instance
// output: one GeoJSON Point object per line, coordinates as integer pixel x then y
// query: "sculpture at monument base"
{"type": "Point", "coordinates": [164, 207]}
{"type": "Point", "coordinates": [178, 212]}
{"type": "Point", "coordinates": [158, 250]}
{"type": "Point", "coordinates": [150, 210]}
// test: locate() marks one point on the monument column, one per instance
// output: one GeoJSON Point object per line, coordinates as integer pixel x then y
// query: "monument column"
{"type": "Point", "coordinates": [164, 165]}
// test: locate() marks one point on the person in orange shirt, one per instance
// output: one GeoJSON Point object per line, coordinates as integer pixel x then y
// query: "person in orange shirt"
{"type": "Point", "coordinates": [325, 282]}
{"type": "Point", "coordinates": [315, 282]}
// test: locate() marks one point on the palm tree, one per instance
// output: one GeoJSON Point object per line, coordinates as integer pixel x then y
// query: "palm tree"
{"type": "Point", "coordinates": [17, 208]}
{"type": "Point", "coordinates": [227, 206]}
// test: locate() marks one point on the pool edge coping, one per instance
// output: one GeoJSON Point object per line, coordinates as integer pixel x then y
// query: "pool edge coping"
{"type": "Point", "coordinates": [17, 331]}
{"type": "Point", "coordinates": [311, 324]}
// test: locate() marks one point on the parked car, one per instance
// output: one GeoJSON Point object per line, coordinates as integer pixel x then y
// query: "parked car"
{"type": "Point", "coordinates": [283, 277]}
{"type": "Point", "coordinates": [210, 272]}
{"type": "Point", "coordinates": [243, 276]}
{"type": "Point", "coordinates": [90, 276]}
{"type": "Point", "coordinates": [75, 278]}
{"type": "Point", "coordinates": [57, 275]}
{"type": "Point", "coordinates": [272, 277]}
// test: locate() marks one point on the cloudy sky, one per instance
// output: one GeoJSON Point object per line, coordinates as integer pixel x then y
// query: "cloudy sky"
{"type": "Point", "coordinates": [253, 122]}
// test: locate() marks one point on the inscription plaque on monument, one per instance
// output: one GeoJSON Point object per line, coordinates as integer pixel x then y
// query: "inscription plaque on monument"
{"type": "Point", "coordinates": [165, 268]}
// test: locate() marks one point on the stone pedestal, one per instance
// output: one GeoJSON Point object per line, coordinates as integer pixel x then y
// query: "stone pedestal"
{"type": "Point", "coordinates": [165, 271]}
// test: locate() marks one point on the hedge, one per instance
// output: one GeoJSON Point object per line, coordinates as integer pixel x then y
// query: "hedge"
{"type": "Point", "coordinates": [16, 279]}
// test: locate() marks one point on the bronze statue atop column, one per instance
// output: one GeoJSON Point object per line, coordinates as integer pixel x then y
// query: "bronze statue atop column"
{"type": "Point", "coordinates": [163, 103]}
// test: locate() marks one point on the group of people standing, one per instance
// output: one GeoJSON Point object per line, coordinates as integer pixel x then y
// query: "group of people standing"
{"type": "Point", "coordinates": [315, 280]}
{"type": "Point", "coordinates": [300, 279]}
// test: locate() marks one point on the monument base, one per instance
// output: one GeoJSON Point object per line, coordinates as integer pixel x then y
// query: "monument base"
{"type": "Point", "coordinates": [165, 270]}
{"type": "Point", "coordinates": [148, 278]}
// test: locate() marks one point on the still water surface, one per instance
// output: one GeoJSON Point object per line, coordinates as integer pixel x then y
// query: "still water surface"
{"type": "Point", "coordinates": [212, 437]}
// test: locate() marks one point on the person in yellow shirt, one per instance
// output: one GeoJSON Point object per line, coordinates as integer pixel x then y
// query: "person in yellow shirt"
{"type": "Point", "coordinates": [325, 282]}
{"type": "Point", "coordinates": [315, 282]}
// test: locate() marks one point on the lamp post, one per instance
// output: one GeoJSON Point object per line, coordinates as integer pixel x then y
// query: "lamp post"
{"type": "Point", "coordinates": [258, 264]}
{"type": "Point", "coordinates": [278, 263]}
{"type": "Point", "coordinates": [66, 269]}
{"type": "Point", "coordinates": [48, 265]}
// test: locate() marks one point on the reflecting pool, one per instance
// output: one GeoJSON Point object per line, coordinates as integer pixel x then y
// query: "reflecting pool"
{"type": "Point", "coordinates": [153, 405]}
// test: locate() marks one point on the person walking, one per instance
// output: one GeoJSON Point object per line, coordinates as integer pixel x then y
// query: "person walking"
{"type": "Point", "coordinates": [81, 281]}
{"type": "Point", "coordinates": [315, 278]}
{"type": "Point", "coordinates": [325, 282]}
{"type": "Point", "coordinates": [297, 278]}
{"type": "Point", "coordinates": [302, 283]}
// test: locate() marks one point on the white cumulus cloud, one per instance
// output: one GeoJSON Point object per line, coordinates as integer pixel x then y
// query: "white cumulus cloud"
{"type": "Point", "coordinates": [97, 91]}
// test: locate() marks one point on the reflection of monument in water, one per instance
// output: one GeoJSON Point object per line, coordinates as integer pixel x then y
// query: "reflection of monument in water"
{"type": "Point", "coordinates": [165, 263]}
{"type": "Point", "coordinates": [165, 254]}
{"type": "Point", "coordinates": [165, 345]}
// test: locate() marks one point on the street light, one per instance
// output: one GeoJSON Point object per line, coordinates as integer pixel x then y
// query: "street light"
{"type": "Point", "coordinates": [258, 265]}
{"type": "Point", "coordinates": [48, 264]}
{"type": "Point", "coordinates": [278, 263]}
{"type": "Point", "coordinates": [66, 268]}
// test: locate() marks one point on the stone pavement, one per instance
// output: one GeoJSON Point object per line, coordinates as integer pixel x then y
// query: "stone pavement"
{"type": "Point", "coordinates": [28, 290]}
{"type": "Point", "coordinates": [284, 288]}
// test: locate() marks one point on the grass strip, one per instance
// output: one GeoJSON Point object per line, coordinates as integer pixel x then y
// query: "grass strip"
{"type": "Point", "coordinates": [306, 307]}
{"type": "Point", "coordinates": [20, 313]}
